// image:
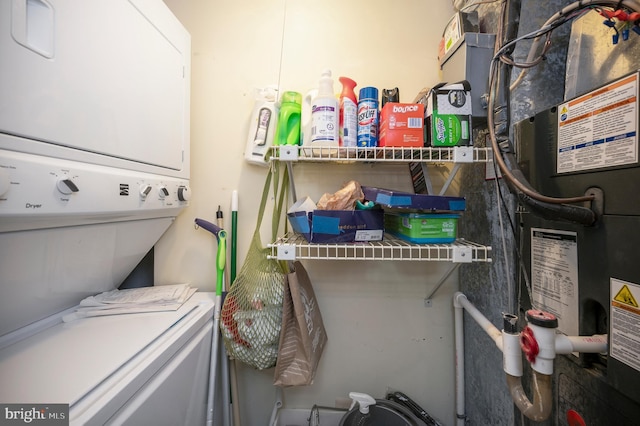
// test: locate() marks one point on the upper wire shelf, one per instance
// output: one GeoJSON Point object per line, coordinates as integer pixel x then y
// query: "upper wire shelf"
{"type": "Point", "coordinates": [456, 154]}
{"type": "Point", "coordinates": [294, 246]}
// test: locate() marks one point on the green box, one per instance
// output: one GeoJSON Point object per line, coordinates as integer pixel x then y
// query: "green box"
{"type": "Point", "coordinates": [422, 228]}
{"type": "Point", "coordinates": [448, 114]}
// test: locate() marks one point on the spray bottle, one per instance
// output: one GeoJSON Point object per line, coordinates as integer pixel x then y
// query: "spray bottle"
{"type": "Point", "coordinates": [324, 114]}
{"type": "Point", "coordinates": [262, 126]}
{"type": "Point", "coordinates": [348, 114]}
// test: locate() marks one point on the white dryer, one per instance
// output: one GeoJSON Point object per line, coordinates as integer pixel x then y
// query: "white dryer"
{"type": "Point", "coordinates": [94, 167]}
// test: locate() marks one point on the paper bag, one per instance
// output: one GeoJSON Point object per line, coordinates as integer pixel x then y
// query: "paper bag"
{"type": "Point", "coordinates": [302, 336]}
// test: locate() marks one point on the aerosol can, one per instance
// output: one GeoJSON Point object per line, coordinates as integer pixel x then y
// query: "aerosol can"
{"type": "Point", "coordinates": [262, 126]}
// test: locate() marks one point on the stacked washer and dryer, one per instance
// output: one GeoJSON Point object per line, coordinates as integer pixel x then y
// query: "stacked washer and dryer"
{"type": "Point", "coordinates": [94, 167]}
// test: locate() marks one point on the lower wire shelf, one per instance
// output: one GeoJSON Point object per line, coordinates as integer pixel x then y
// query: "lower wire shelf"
{"type": "Point", "coordinates": [294, 246]}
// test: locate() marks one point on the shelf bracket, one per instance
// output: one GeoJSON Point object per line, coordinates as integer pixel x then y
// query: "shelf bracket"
{"type": "Point", "coordinates": [427, 178]}
{"type": "Point", "coordinates": [461, 155]}
{"type": "Point", "coordinates": [288, 152]}
{"type": "Point", "coordinates": [286, 252]}
{"type": "Point", "coordinates": [461, 254]}
{"type": "Point", "coordinates": [452, 175]}
{"type": "Point", "coordinates": [452, 268]}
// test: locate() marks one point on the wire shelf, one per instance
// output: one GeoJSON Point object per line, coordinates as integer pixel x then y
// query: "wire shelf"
{"type": "Point", "coordinates": [456, 154]}
{"type": "Point", "coordinates": [294, 246]}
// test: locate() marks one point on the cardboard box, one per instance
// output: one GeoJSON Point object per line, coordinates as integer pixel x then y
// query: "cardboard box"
{"type": "Point", "coordinates": [338, 226]}
{"type": "Point", "coordinates": [405, 200]}
{"type": "Point", "coordinates": [448, 113]}
{"type": "Point", "coordinates": [402, 125]}
{"type": "Point", "coordinates": [421, 228]}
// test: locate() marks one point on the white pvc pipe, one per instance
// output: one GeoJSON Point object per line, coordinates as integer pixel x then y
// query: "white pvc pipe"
{"type": "Point", "coordinates": [459, 338]}
{"type": "Point", "coordinates": [512, 359]}
{"type": "Point", "coordinates": [552, 344]}
{"type": "Point", "coordinates": [460, 302]}
{"type": "Point", "coordinates": [482, 321]}
{"type": "Point", "coordinates": [596, 344]}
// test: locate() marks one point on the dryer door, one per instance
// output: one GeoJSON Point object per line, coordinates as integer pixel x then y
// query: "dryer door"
{"type": "Point", "coordinates": [107, 78]}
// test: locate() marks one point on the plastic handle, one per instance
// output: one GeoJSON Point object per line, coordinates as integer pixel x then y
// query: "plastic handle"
{"type": "Point", "coordinates": [288, 128]}
{"type": "Point", "coordinates": [205, 224]}
{"type": "Point", "coordinates": [363, 400]}
{"type": "Point", "coordinates": [220, 260]}
{"type": "Point", "coordinates": [32, 25]}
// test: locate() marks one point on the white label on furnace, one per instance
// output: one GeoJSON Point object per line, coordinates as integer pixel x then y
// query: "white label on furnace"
{"type": "Point", "coordinates": [625, 323]}
{"type": "Point", "coordinates": [599, 129]}
{"type": "Point", "coordinates": [554, 275]}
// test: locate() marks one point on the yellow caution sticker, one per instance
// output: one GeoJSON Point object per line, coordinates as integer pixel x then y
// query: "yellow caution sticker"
{"type": "Point", "coordinates": [625, 296]}
{"type": "Point", "coordinates": [624, 324]}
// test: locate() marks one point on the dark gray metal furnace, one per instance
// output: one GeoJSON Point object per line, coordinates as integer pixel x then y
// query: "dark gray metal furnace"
{"type": "Point", "coordinates": [595, 267]}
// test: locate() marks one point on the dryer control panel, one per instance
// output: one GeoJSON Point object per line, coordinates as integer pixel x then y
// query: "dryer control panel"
{"type": "Point", "coordinates": [42, 192]}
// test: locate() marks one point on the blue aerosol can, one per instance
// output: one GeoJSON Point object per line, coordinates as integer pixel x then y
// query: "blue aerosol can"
{"type": "Point", "coordinates": [368, 117]}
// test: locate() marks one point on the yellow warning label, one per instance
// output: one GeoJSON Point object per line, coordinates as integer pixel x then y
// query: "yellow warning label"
{"type": "Point", "coordinates": [625, 296]}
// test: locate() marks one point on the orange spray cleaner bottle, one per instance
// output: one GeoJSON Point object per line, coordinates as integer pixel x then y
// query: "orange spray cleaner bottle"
{"type": "Point", "coordinates": [348, 120]}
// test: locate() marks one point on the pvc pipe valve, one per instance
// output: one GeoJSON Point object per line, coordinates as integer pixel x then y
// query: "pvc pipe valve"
{"type": "Point", "coordinates": [529, 344]}
{"type": "Point", "coordinates": [543, 332]}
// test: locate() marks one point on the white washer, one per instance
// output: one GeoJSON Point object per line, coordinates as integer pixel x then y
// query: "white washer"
{"type": "Point", "coordinates": [138, 369]}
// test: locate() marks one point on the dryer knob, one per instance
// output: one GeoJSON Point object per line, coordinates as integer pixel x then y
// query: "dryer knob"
{"type": "Point", "coordinates": [66, 186]}
{"type": "Point", "coordinates": [184, 193]}
{"type": "Point", "coordinates": [145, 189]}
{"type": "Point", "coordinates": [163, 191]}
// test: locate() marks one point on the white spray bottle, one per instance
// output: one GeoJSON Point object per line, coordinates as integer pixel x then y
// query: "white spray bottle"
{"type": "Point", "coordinates": [262, 126]}
{"type": "Point", "coordinates": [324, 115]}
{"type": "Point", "coordinates": [362, 417]}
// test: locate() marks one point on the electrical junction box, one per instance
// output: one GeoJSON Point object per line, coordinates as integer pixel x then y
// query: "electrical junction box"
{"type": "Point", "coordinates": [458, 25]}
{"type": "Point", "coordinates": [589, 276]}
{"type": "Point", "coordinates": [469, 58]}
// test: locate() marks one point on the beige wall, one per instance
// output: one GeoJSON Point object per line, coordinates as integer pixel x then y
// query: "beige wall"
{"type": "Point", "coordinates": [380, 333]}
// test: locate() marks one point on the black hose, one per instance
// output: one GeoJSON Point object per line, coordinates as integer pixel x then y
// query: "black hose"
{"type": "Point", "coordinates": [502, 93]}
{"type": "Point", "coordinates": [418, 411]}
{"type": "Point", "coordinates": [501, 124]}
{"type": "Point", "coordinates": [564, 212]}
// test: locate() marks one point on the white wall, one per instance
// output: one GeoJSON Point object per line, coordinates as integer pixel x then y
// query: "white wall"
{"type": "Point", "coordinates": [380, 333]}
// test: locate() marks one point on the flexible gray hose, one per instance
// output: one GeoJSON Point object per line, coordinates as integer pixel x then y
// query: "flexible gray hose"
{"type": "Point", "coordinates": [533, 50]}
{"type": "Point", "coordinates": [506, 171]}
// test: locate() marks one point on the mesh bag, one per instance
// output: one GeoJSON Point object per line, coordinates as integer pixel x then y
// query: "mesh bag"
{"type": "Point", "coordinates": [251, 315]}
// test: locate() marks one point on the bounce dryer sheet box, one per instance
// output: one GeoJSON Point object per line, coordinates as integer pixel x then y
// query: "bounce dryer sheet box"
{"type": "Point", "coordinates": [448, 114]}
{"type": "Point", "coordinates": [338, 226]}
{"type": "Point", "coordinates": [402, 125]}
